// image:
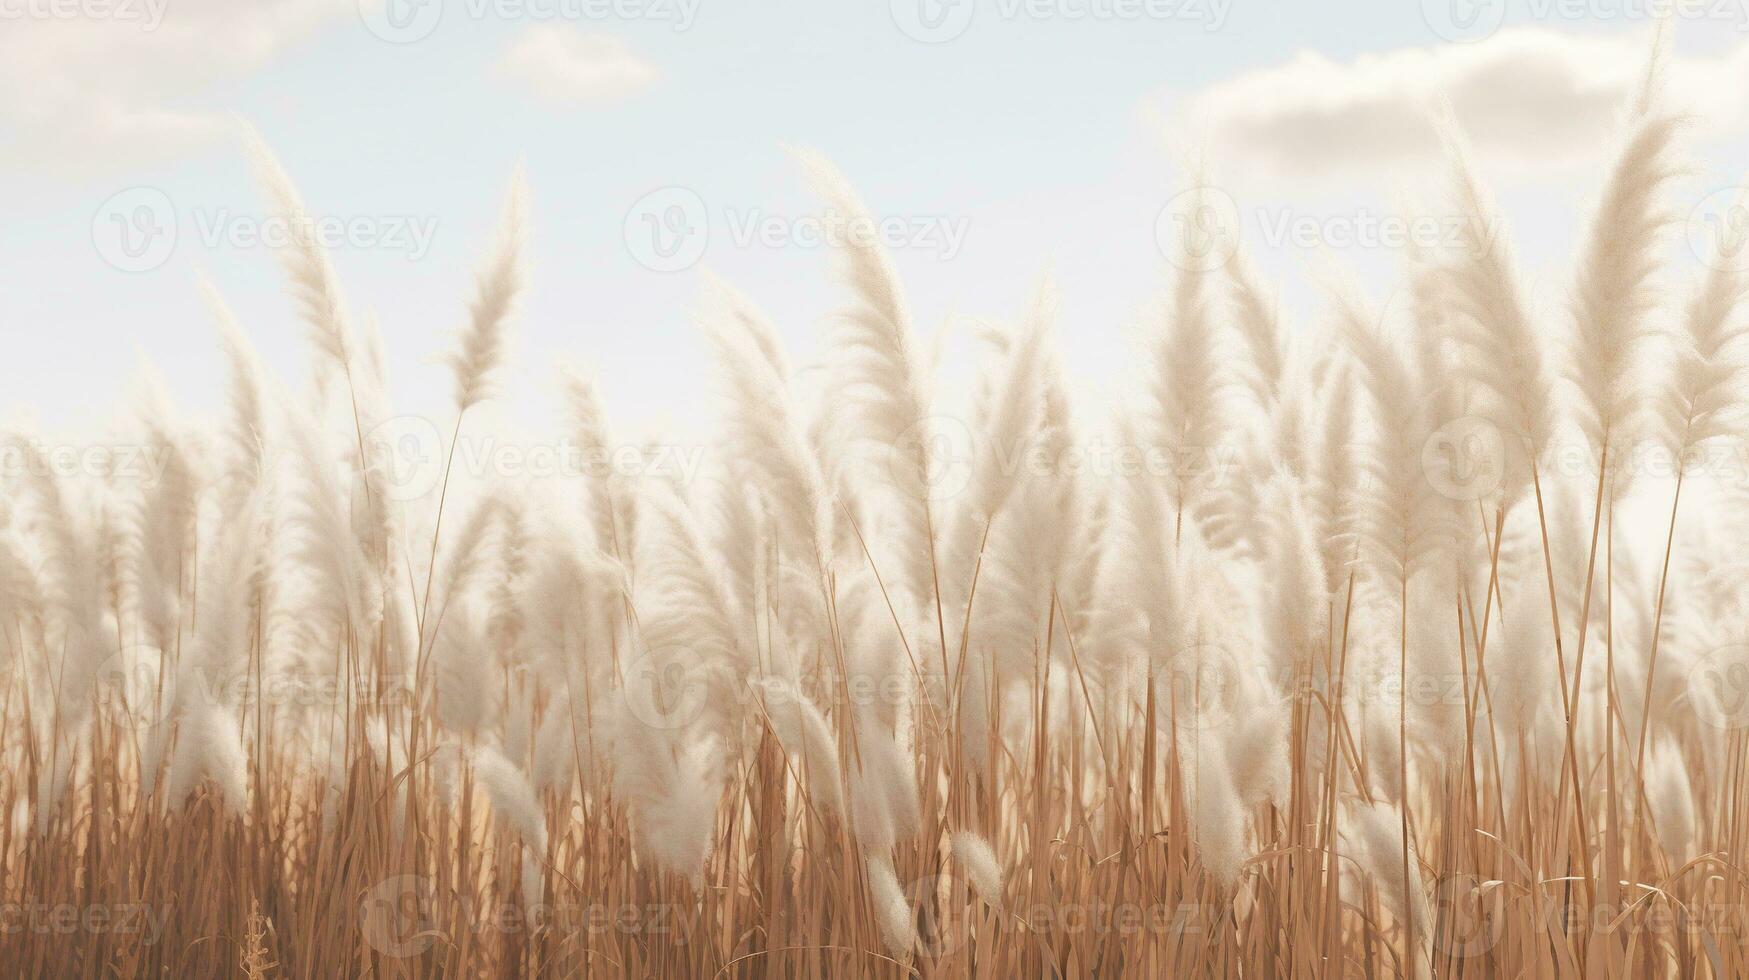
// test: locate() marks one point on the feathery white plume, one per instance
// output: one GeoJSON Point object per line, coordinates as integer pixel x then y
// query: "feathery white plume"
{"type": "Point", "coordinates": [892, 909]}
{"type": "Point", "coordinates": [315, 285]}
{"type": "Point", "coordinates": [480, 350]}
{"type": "Point", "coordinates": [1613, 296]}
{"type": "Point", "coordinates": [980, 865]}
{"type": "Point", "coordinates": [883, 385]}
{"type": "Point", "coordinates": [512, 797]}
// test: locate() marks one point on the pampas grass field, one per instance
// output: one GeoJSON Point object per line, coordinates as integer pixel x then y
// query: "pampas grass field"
{"type": "Point", "coordinates": [1341, 658]}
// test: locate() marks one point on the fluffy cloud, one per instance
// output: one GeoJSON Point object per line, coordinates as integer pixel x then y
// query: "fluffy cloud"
{"type": "Point", "coordinates": [93, 84]}
{"type": "Point", "coordinates": [1530, 99]}
{"type": "Point", "coordinates": [570, 66]}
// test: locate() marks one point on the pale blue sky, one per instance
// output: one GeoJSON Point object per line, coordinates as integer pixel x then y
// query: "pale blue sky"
{"type": "Point", "coordinates": [1051, 140]}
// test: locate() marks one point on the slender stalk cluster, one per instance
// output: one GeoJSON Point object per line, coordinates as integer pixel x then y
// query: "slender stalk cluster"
{"type": "Point", "coordinates": [1343, 667]}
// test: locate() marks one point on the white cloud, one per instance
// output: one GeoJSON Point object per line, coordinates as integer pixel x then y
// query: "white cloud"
{"type": "Point", "coordinates": [564, 64]}
{"type": "Point", "coordinates": [92, 84]}
{"type": "Point", "coordinates": [1530, 99]}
